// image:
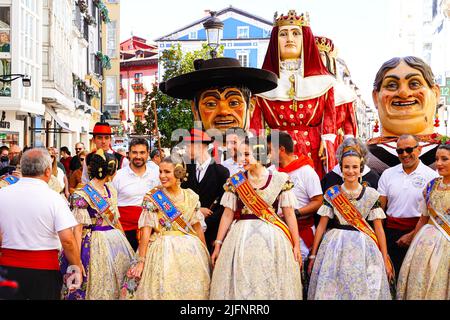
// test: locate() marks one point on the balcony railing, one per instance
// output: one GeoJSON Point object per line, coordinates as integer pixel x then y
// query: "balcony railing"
{"type": "Point", "coordinates": [138, 110]}
{"type": "Point", "coordinates": [138, 87]}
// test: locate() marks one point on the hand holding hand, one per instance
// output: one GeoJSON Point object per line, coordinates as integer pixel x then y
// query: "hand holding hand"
{"type": "Point", "coordinates": [74, 280]}
{"type": "Point", "coordinates": [136, 270]}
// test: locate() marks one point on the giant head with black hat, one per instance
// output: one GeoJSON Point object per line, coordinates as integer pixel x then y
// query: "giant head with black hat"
{"type": "Point", "coordinates": [220, 90]}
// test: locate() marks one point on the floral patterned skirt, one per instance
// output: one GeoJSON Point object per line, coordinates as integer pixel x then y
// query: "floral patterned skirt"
{"type": "Point", "coordinates": [110, 257]}
{"type": "Point", "coordinates": [348, 266]}
{"type": "Point", "coordinates": [425, 272]}
{"type": "Point", "coordinates": [256, 262]}
{"type": "Point", "coordinates": [177, 267]}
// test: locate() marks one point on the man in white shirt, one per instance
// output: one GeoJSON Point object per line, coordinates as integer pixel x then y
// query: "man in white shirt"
{"type": "Point", "coordinates": [132, 183]}
{"type": "Point", "coordinates": [233, 137]}
{"type": "Point", "coordinates": [307, 188]}
{"type": "Point", "coordinates": [32, 232]}
{"type": "Point", "coordinates": [401, 196]}
{"type": "Point", "coordinates": [102, 139]}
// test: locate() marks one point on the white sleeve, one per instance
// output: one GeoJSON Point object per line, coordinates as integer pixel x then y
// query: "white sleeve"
{"type": "Point", "coordinates": [312, 183]}
{"type": "Point", "coordinates": [63, 217]}
{"type": "Point", "coordinates": [382, 187]}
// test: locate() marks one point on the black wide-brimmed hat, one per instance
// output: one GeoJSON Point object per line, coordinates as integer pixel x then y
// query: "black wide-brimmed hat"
{"type": "Point", "coordinates": [218, 72]}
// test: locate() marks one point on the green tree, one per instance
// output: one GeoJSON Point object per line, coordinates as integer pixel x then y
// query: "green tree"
{"type": "Point", "coordinates": [171, 113]}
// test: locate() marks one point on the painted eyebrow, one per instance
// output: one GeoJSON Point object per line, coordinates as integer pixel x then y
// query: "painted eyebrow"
{"type": "Point", "coordinates": [232, 93]}
{"type": "Point", "coordinates": [412, 75]}
{"type": "Point", "coordinates": [211, 94]}
{"type": "Point", "coordinates": [392, 76]}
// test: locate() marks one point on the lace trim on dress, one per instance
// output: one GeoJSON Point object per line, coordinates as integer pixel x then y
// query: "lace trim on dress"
{"type": "Point", "coordinates": [376, 213]}
{"type": "Point", "coordinates": [148, 219]}
{"type": "Point", "coordinates": [82, 216]}
{"type": "Point", "coordinates": [229, 200]}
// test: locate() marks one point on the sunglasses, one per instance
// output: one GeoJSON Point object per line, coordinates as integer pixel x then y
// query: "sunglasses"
{"type": "Point", "coordinates": [78, 149]}
{"type": "Point", "coordinates": [81, 159]}
{"type": "Point", "coordinates": [408, 150]}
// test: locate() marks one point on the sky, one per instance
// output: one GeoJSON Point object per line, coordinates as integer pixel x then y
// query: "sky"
{"type": "Point", "coordinates": [363, 30]}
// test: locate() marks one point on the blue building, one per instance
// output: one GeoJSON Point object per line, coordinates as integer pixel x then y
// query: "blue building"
{"type": "Point", "coordinates": [245, 37]}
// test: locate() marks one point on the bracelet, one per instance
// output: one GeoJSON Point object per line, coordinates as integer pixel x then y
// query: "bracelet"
{"type": "Point", "coordinates": [311, 257]}
{"type": "Point", "coordinates": [138, 259]}
{"type": "Point", "coordinates": [218, 242]}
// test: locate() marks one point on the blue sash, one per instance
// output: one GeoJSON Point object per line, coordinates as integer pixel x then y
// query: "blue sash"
{"type": "Point", "coordinates": [100, 204]}
{"type": "Point", "coordinates": [10, 179]}
{"type": "Point", "coordinates": [166, 205]}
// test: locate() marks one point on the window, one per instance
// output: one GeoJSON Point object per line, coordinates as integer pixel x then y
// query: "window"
{"type": "Point", "coordinates": [193, 35]}
{"type": "Point", "coordinates": [138, 77]}
{"type": "Point", "coordinates": [5, 49]}
{"type": "Point", "coordinates": [111, 41]}
{"type": "Point", "coordinates": [242, 56]}
{"type": "Point", "coordinates": [243, 32]}
{"type": "Point", "coordinates": [111, 90]}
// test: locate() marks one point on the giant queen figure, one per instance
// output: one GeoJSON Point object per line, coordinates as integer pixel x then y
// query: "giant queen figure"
{"type": "Point", "coordinates": [303, 102]}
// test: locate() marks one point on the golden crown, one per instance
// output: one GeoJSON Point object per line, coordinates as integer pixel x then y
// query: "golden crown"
{"type": "Point", "coordinates": [325, 44]}
{"type": "Point", "coordinates": [291, 19]}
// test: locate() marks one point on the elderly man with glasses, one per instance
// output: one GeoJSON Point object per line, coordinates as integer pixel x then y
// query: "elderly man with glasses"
{"type": "Point", "coordinates": [401, 189]}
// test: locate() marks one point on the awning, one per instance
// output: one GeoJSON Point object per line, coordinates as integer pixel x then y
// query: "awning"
{"type": "Point", "coordinates": [64, 126]}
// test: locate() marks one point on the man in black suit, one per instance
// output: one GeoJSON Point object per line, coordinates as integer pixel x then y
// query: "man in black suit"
{"type": "Point", "coordinates": [206, 178]}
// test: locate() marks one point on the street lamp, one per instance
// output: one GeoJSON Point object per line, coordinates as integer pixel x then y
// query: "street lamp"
{"type": "Point", "coordinates": [213, 26]}
{"type": "Point", "coordinates": [26, 80]}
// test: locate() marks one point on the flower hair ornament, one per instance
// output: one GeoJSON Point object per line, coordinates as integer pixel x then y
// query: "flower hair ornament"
{"type": "Point", "coordinates": [180, 171]}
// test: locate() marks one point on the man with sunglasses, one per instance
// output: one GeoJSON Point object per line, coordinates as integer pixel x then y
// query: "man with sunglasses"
{"type": "Point", "coordinates": [401, 189]}
{"type": "Point", "coordinates": [75, 162]}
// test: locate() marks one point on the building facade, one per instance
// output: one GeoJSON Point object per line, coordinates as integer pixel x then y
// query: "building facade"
{"type": "Point", "coordinates": [111, 65]}
{"type": "Point", "coordinates": [245, 37]}
{"type": "Point", "coordinates": [20, 53]}
{"type": "Point", "coordinates": [138, 75]}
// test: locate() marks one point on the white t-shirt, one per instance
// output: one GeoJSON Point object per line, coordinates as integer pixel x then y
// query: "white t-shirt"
{"type": "Point", "coordinates": [232, 166]}
{"type": "Point", "coordinates": [404, 192]}
{"type": "Point", "coordinates": [306, 185]}
{"type": "Point", "coordinates": [131, 188]}
{"type": "Point", "coordinates": [31, 215]}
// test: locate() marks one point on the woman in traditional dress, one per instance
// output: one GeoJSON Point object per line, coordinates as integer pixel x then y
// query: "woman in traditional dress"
{"type": "Point", "coordinates": [259, 259]}
{"type": "Point", "coordinates": [352, 261]}
{"type": "Point", "coordinates": [105, 251]}
{"type": "Point", "coordinates": [425, 272]}
{"type": "Point", "coordinates": [173, 261]}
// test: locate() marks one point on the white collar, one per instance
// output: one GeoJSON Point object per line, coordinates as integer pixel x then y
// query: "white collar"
{"type": "Point", "coordinates": [204, 165]}
{"type": "Point", "coordinates": [400, 168]}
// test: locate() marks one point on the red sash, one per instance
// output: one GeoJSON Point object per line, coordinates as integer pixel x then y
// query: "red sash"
{"type": "Point", "coordinates": [305, 230]}
{"type": "Point", "coordinates": [257, 205]}
{"type": "Point", "coordinates": [402, 224]}
{"type": "Point", "coordinates": [129, 217]}
{"type": "Point", "coordinates": [304, 225]}
{"type": "Point", "coordinates": [40, 259]}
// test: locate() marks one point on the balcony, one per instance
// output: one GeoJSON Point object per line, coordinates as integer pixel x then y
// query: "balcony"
{"type": "Point", "coordinates": [138, 110]}
{"type": "Point", "coordinates": [139, 88]}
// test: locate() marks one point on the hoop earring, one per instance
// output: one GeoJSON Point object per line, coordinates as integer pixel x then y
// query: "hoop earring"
{"type": "Point", "coordinates": [360, 179]}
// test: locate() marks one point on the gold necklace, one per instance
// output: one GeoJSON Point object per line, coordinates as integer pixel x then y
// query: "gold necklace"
{"type": "Point", "coordinates": [352, 194]}
{"type": "Point", "coordinates": [175, 198]}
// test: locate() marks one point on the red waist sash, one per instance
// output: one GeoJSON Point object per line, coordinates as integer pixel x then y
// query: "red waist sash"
{"type": "Point", "coordinates": [305, 230]}
{"type": "Point", "coordinates": [129, 217]}
{"type": "Point", "coordinates": [402, 224]}
{"type": "Point", "coordinates": [40, 259]}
